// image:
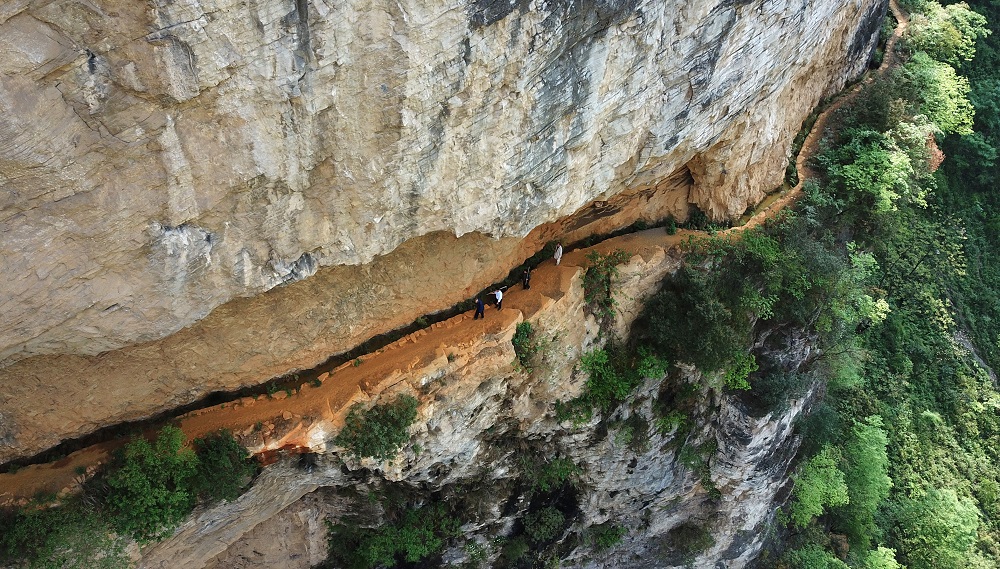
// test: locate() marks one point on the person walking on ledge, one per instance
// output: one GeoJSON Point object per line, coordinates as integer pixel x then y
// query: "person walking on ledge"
{"type": "Point", "coordinates": [558, 254]}
{"type": "Point", "coordinates": [499, 294]}
{"type": "Point", "coordinates": [480, 309]}
{"type": "Point", "coordinates": [526, 278]}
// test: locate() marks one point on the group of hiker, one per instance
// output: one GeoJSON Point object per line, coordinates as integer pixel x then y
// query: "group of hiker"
{"type": "Point", "coordinates": [525, 282]}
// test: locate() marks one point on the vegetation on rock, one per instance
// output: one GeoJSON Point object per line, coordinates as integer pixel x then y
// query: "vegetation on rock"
{"type": "Point", "coordinates": [378, 432]}
{"type": "Point", "coordinates": [145, 492]}
{"type": "Point", "coordinates": [413, 536]}
{"type": "Point", "coordinates": [598, 281]}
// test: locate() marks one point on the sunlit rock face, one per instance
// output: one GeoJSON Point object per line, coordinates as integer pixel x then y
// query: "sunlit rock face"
{"type": "Point", "coordinates": [717, 475]}
{"type": "Point", "coordinates": [164, 164]}
{"type": "Point", "coordinates": [160, 158]}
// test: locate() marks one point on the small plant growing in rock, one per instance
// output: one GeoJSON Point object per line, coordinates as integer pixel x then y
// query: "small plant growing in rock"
{"type": "Point", "coordinates": [737, 376]}
{"type": "Point", "coordinates": [671, 421]}
{"type": "Point", "coordinates": [554, 473]}
{"type": "Point", "coordinates": [606, 536]}
{"type": "Point", "coordinates": [599, 280]}
{"type": "Point", "coordinates": [697, 459]}
{"type": "Point", "coordinates": [358, 362]}
{"type": "Point", "coordinates": [525, 344]}
{"type": "Point", "coordinates": [378, 432]}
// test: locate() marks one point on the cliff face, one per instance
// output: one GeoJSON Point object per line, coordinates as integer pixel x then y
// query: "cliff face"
{"type": "Point", "coordinates": [719, 472]}
{"type": "Point", "coordinates": [164, 161]}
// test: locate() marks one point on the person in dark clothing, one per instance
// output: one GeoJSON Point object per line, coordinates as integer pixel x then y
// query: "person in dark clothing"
{"type": "Point", "coordinates": [480, 309]}
{"type": "Point", "coordinates": [526, 278]}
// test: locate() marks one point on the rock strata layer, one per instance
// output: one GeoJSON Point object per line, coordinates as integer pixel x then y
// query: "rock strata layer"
{"type": "Point", "coordinates": [480, 416]}
{"type": "Point", "coordinates": [168, 164]}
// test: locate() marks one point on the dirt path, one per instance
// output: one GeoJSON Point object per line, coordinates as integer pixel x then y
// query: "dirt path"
{"type": "Point", "coordinates": [286, 421]}
{"type": "Point", "coordinates": [811, 144]}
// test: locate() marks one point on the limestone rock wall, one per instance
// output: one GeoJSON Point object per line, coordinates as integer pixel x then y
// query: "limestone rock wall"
{"type": "Point", "coordinates": [160, 158]}
{"type": "Point", "coordinates": [479, 418]}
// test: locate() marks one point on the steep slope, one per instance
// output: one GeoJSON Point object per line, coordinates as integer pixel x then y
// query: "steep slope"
{"type": "Point", "coordinates": [481, 418]}
{"type": "Point", "coordinates": [161, 159]}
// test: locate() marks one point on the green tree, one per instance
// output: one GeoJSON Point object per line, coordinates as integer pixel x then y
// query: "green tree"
{"type": "Point", "coordinates": [869, 167]}
{"type": "Point", "coordinates": [946, 33]}
{"type": "Point", "coordinates": [813, 557]}
{"type": "Point", "coordinates": [224, 467]}
{"type": "Point", "coordinates": [598, 281]}
{"type": "Point", "coordinates": [687, 321]}
{"type": "Point", "coordinates": [149, 491]}
{"type": "Point", "coordinates": [937, 92]}
{"type": "Point", "coordinates": [378, 432]}
{"type": "Point", "coordinates": [880, 558]}
{"type": "Point", "coordinates": [544, 525]}
{"type": "Point", "coordinates": [867, 478]}
{"type": "Point", "coordinates": [937, 530]}
{"type": "Point", "coordinates": [819, 483]}
{"type": "Point", "coordinates": [71, 536]}
{"type": "Point", "coordinates": [413, 537]}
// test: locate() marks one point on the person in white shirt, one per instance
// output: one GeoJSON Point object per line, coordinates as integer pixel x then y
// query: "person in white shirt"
{"type": "Point", "coordinates": [558, 254]}
{"type": "Point", "coordinates": [499, 294]}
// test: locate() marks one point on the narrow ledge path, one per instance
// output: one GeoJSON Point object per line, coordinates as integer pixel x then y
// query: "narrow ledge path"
{"type": "Point", "coordinates": [305, 419]}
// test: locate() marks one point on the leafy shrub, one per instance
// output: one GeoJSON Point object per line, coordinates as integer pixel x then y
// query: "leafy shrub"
{"type": "Point", "coordinates": [380, 431]}
{"type": "Point", "coordinates": [671, 421]}
{"type": "Point", "coordinates": [938, 92]}
{"type": "Point", "coordinates": [613, 374]}
{"type": "Point", "coordinates": [685, 542]}
{"type": "Point", "coordinates": [526, 346]}
{"type": "Point", "coordinates": [514, 550]}
{"type": "Point", "coordinates": [868, 483]}
{"type": "Point", "coordinates": [688, 321]}
{"type": "Point", "coordinates": [632, 432]}
{"type": "Point", "coordinates": [544, 525]}
{"type": "Point", "coordinates": [605, 384]}
{"type": "Point", "coordinates": [602, 270]}
{"type": "Point", "coordinates": [224, 467]}
{"type": "Point", "coordinates": [149, 488]}
{"type": "Point", "coordinates": [880, 558]}
{"type": "Point", "coordinates": [554, 473]}
{"type": "Point", "coordinates": [870, 167]}
{"type": "Point", "coordinates": [738, 374]}
{"type": "Point", "coordinates": [697, 458]}
{"type": "Point", "coordinates": [773, 391]}
{"type": "Point", "coordinates": [606, 536]}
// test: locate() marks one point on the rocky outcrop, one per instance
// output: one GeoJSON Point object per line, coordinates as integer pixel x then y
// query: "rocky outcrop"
{"type": "Point", "coordinates": [164, 161]}
{"type": "Point", "coordinates": [160, 158]}
{"type": "Point", "coordinates": [480, 417]}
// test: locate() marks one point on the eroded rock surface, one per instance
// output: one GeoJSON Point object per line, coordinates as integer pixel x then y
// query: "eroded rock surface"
{"type": "Point", "coordinates": [480, 419]}
{"type": "Point", "coordinates": [160, 159]}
